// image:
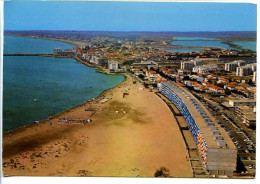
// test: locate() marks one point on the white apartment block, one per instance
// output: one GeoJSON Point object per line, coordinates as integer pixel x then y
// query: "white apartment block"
{"type": "Point", "coordinates": [188, 65]}
{"type": "Point", "coordinates": [113, 65]}
{"type": "Point", "coordinates": [232, 66]}
{"type": "Point", "coordinates": [205, 68]}
{"type": "Point", "coordinates": [246, 70]}
{"type": "Point", "coordinates": [254, 77]}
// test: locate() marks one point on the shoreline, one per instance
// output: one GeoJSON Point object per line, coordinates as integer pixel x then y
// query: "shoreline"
{"type": "Point", "coordinates": [114, 143]}
{"type": "Point", "coordinates": [122, 139]}
{"type": "Point", "coordinates": [73, 43]}
{"type": "Point", "coordinates": [97, 69]}
{"type": "Point", "coordinates": [169, 45]}
{"type": "Point", "coordinates": [67, 110]}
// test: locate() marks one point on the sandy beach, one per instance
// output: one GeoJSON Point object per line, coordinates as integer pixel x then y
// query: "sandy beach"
{"type": "Point", "coordinates": [130, 136]}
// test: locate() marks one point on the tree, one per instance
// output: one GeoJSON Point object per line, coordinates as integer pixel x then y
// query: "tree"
{"type": "Point", "coordinates": [162, 172]}
{"type": "Point", "coordinates": [141, 76]}
{"type": "Point", "coordinates": [227, 92]}
{"type": "Point", "coordinates": [250, 82]}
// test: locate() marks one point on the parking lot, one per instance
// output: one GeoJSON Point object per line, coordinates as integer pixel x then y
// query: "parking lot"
{"type": "Point", "coordinates": [243, 138]}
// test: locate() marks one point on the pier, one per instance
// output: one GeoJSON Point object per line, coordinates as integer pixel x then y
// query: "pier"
{"type": "Point", "coordinates": [28, 54]}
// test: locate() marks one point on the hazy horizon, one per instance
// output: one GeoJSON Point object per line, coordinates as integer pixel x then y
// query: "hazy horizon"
{"type": "Point", "coordinates": [129, 31]}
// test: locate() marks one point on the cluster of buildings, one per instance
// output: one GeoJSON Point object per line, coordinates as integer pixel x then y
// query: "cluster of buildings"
{"type": "Point", "coordinates": [101, 49]}
{"type": "Point", "coordinates": [197, 67]}
{"type": "Point", "coordinates": [202, 82]}
{"type": "Point", "coordinates": [210, 83]}
{"type": "Point", "coordinates": [64, 53]}
{"type": "Point", "coordinates": [242, 68]}
{"type": "Point", "coordinates": [206, 68]}
{"type": "Point", "coordinates": [189, 65]}
{"type": "Point", "coordinates": [207, 82]}
{"type": "Point", "coordinates": [232, 66]}
{"type": "Point", "coordinates": [113, 55]}
{"type": "Point", "coordinates": [246, 70]}
{"type": "Point", "coordinates": [248, 115]}
{"type": "Point", "coordinates": [245, 89]}
{"type": "Point", "coordinates": [147, 70]}
{"type": "Point", "coordinates": [100, 56]}
{"type": "Point", "coordinates": [245, 109]}
{"type": "Point", "coordinates": [218, 152]}
{"type": "Point", "coordinates": [153, 66]}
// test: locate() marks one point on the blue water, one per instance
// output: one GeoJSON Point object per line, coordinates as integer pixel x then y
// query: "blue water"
{"type": "Point", "coordinates": [201, 43]}
{"type": "Point", "coordinates": [184, 50]}
{"type": "Point", "coordinates": [193, 38]}
{"type": "Point", "coordinates": [57, 83]}
{"type": "Point", "coordinates": [32, 45]}
{"type": "Point", "coordinates": [247, 45]}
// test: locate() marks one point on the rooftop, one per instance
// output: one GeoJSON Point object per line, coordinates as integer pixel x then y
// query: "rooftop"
{"type": "Point", "coordinates": [204, 128]}
{"type": "Point", "coordinates": [244, 100]}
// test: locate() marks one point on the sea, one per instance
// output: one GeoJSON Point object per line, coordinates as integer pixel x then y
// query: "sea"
{"type": "Point", "coordinates": [185, 50]}
{"type": "Point", "coordinates": [199, 42]}
{"type": "Point", "coordinates": [37, 87]}
{"type": "Point", "coordinates": [14, 44]}
{"type": "Point", "coordinates": [247, 45]}
{"type": "Point", "coordinates": [208, 42]}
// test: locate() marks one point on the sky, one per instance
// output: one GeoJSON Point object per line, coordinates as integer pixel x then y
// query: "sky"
{"type": "Point", "coordinates": [129, 16]}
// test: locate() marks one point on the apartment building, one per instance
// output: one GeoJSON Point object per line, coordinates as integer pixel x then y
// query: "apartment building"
{"type": "Point", "coordinates": [206, 68]}
{"type": "Point", "coordinates": [188, 65]}
{"type": "Point", "coordinates": [242, 102]}
{"type": "Point", "coordinates": [232, 66]}
{"type": "Point", "coordinates": [217, 150]}
{"type": "Point", "coordinates": [246, 70]}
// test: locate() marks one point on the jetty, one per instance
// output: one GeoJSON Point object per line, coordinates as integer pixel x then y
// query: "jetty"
{"type": "Point", "coordinates": [28, 54]}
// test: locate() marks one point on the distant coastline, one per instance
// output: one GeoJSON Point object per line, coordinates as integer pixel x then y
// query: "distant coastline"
{"type": "Point", "coordinates": [224, 36]}
{"type": "Point", "coordinates": [75, 44]}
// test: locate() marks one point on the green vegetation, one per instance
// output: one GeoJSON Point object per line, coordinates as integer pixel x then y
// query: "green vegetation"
{"type": "Point", "coordinates": [128, 62]}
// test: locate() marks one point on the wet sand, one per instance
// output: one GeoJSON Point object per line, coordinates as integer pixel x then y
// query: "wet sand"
{"type": "Point", "coordinates": [130, 136]}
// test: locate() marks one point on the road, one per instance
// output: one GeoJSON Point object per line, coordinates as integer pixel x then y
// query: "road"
{"type": "Point", "coordinates": [243, 138]}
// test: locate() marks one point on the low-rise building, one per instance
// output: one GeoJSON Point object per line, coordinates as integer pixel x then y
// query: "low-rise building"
{"type": "Point", "coordinates": [66, 53]}
{"type": "Point", "coordinates": [249, 119]}
{"type": "Point", "coordinates": [99, 60]}
{"type": "Point", "coordinates": [137, 73]}
{"type": "Point", "coordinates": [57, 51]}
{"type": "Point", "coordinates": [151, 75]}
{"type": "Point", "coordinates": [247, 113]}
{"type": "Point", "coordinates": [147, 64]}
{"type": "Point", "coordinates": [247, 102]}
